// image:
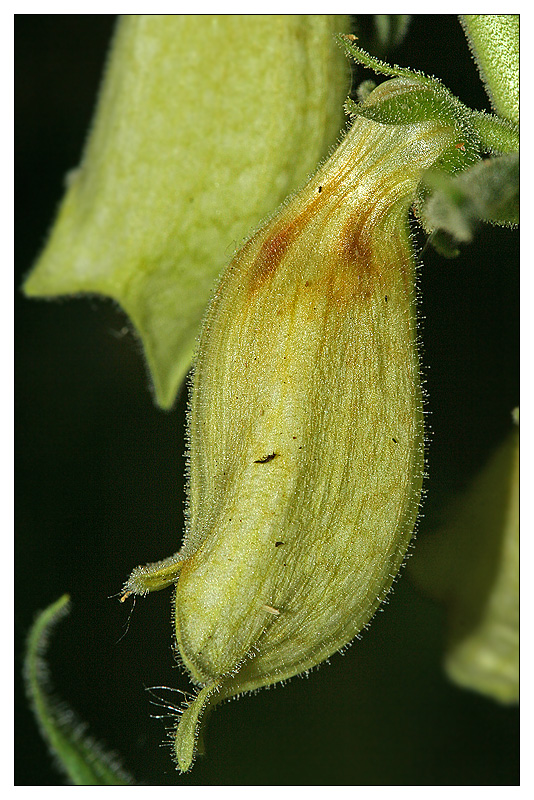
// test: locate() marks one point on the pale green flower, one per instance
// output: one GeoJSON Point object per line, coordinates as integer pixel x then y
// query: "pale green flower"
{"type": "Point", "coordinates": [204, 125]}
{"type": "Point", "coordinates": [471, 564]}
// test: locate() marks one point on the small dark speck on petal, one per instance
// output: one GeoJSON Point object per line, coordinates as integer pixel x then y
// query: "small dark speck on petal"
{"type": "Point", "coordinates": [265, 459]}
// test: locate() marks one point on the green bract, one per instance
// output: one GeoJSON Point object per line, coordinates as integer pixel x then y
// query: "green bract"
{"type": "Point", "coordinates": [204, 125]}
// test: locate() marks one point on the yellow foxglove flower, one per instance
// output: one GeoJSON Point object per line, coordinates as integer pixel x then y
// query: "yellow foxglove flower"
{"type": "Point", "coordinates": [306, 427]}
{"type": "Point", "coordinates": [205, 124]}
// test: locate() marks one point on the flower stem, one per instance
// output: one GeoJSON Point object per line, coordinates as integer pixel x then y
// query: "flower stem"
{"type": "Point", "coordinates": [494, 43]}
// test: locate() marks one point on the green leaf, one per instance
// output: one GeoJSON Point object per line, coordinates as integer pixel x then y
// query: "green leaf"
{"type": "Point", "coordinates": [84, 761]}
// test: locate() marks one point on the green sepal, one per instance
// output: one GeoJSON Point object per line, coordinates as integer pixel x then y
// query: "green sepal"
{"type": "Point", "coordinates": [497, 134]}
{"type": "Point", "coordinates": [371, 62]}
{"type": "Point", "coordinates": [460, 190]}
{"type": "Point", "coordinates": [418, 98]}
{"type": "Point", "coordinates": [409, 101]}
{"type": "Point", "coordinates": [83, 760]}
{"type": "Point", "coordinates": [187, 740]}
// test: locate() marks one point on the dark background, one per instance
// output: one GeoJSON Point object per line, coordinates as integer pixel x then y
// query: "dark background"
{"type": "Point", "coordinates": [99, 489]}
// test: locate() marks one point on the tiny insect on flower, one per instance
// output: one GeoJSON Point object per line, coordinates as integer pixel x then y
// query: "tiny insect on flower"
{"type": "Point", "coordinates": [305, 427]}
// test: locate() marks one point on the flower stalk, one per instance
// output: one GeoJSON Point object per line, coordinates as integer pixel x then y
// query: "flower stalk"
{"type": "Point", "coordinates": [494, 43]}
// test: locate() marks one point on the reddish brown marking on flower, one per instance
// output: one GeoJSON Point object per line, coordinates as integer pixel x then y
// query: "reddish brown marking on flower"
{"type": "Point", "coordinates": [275, 246]}
{"type": "Point", "coordinates": [356, 255]}
{"type": "Point", "coordinates": [361, 266]}
{"type": "Point", "coordinates": [272, 252]}
{"type": "Point", "coordinates": [372, 263]}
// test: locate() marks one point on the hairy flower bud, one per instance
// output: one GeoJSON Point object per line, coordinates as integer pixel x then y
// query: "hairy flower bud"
{"type": "Point", "coordinates": [306, 427]}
